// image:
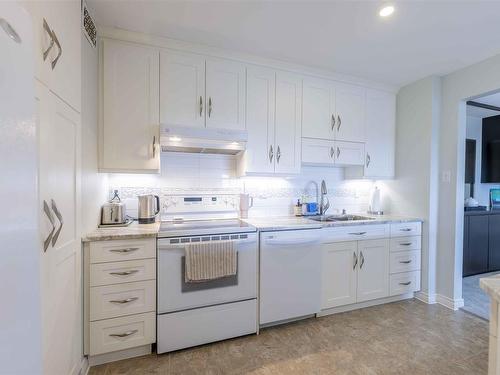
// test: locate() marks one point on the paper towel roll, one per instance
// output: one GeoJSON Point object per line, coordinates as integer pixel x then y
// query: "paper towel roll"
{"type": "Point", "coordinates": [375, 200]}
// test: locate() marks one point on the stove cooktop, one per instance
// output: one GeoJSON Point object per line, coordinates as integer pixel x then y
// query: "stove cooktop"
{"type": "Point", "coordinates": [203, 227]}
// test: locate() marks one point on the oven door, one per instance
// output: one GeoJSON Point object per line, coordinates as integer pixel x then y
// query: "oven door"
{"type": "Point", "coordinates": [174, 294]}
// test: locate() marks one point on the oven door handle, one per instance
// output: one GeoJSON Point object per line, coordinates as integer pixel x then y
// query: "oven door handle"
{"type": "Point", "coordinates": [166, 245]}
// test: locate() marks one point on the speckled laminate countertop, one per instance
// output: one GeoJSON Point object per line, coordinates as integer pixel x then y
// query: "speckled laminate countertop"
{"type": "Point", "coordinates": [132, 231]}
{"type": "Point", "coordinates": [491, 285]}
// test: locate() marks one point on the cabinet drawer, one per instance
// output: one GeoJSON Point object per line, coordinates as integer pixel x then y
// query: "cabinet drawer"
{"type": "Point", "coordinates": [122, 333]}
{"type": "Point", "coordinates": [404, 261]}
{"type": "Point", "coordinates": [118, 250]}
{"type": "Point", "coordinates": [405, 282]}
{"type": "Point", "coordinates": [406, 243]}
{"type": "Point", "coordinates": [406, 229]}
{"type": "Point", "coordinates": [122, 299]}
{"type": "Point", "coordinates": [122, 272]}
{"type": "Point", "coordinates": [355, 232]}
{"type": "Point", "coordinates": [318, 151]}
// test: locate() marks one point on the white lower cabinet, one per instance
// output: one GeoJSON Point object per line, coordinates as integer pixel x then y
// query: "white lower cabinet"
{"type": "Point", "coordinates": [363, 263]}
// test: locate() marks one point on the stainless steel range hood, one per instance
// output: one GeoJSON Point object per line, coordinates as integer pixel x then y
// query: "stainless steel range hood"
{"type": "Point", "coordinates": [202, 140]}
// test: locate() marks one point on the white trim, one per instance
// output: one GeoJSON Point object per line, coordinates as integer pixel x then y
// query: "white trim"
{"type": "Point", "coordinates": [119, 355]}
{"type": "Point", "coordinates": [82, 368]}
{"type": "Point", "coordinates": [453, 304]}
{"type": "Point", "coordinates": [355, 306]}
{"type": "Point", "coordinates": [157, 41]}
{"type": "Point", "coordinates": [426, 297]}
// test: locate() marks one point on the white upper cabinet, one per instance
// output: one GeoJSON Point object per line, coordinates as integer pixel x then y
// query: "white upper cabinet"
{"type": "Point", "coordinates": [380, 132]}
{"type": "Point", "coordinates": [182, 89]}
{"type": "Point", "coordinates": [287, 122]}
{"type": "Point", "coordinates": [260, 104]}
{"type": "Point", "coordinates": [350, 109]}
{"type": "Point", "coordinates": [318, 109]}
{"type": "Point", "coordinates": [349, 153]}
{"type": "Point", "coordinates": [57, 39]}
{"type": "Point", "coordinates": [129, 140]}
{"type": "Point", "coordinates": [225, 94]}
{"type": "Point", "coordinates": [318, 151]}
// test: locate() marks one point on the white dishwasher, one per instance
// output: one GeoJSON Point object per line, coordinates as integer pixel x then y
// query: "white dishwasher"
{"type": "Point", "coordinates": [290, 275]}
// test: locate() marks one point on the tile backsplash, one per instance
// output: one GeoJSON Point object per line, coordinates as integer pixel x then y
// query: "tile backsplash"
{"type": "Point", "coordinates": [192, 174]}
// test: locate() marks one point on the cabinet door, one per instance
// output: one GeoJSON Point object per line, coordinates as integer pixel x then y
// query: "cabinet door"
{"type": "Point", "coordinates": [259, 154]}
{"type": "Point", "coordinates": [318, 109]}
{"type": "Point", "coordinates": [380, 130]}
{"type": "Point", "coordinates": [287, 123]}
{"type": "Point", "coordinates": [182, 89]}
{"type": "Point", "coordinates": [61, 69]}
{"type": "Point", "coordinates": [494, 242]}
{"type": "Point", "coordinates": [349, 153]}
{"type": "Point", "coordinates": [478, 244]}
{"type": "Point", "coordinates": [339, 274]}
{"type": "Point", "coordinates": [318, 152]}
{"type": "Point", "coordinates": [373, 274]}
{"type": "Point", "coordinates": [129, 108]}
{"type": "Point", "coordinates": [59, 189]}
{"type": "Point", "coordinates": [225, 94]}
{"type": "Point", "coordinates": [350, 108]}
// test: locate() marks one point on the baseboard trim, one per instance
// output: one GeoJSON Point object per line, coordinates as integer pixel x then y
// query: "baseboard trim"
{"type": "Point", "coordinates": [355, 306]}
{"type": "Point", "coordinates": [100, 359]}
{"type": "Point", "coordinates": [453, 304]}
{"type": "Point", "coordinates": [426, 297]}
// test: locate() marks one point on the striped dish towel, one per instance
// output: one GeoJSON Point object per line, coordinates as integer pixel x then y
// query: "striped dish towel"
{"type": "Point", "coordinates": [210, 261]}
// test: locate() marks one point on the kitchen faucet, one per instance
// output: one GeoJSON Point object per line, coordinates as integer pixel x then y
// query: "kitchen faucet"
{"type": "Point", "coordinates": [323, 206]}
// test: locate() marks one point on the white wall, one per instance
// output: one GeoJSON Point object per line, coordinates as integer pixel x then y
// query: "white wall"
{"type": "Point", "coordinates": [413, 192]}
{"type": "Point", "coordinates": [465, 84]}
{"type": "Point", "coordinates": [474, 130]}
{"type": "Point", "coordinates": [275, 196]}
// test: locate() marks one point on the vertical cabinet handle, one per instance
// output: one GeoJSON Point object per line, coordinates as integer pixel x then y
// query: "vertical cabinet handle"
{"type": "Point", "coordinates": [48, 213]}
{"type": "Point", "coordinates": [362, 260]}
{"type": "Point", "coordinates": [333, 122]}
{"type": "Point", "coordinates": [51, 34]}
{"type": "Point", "coordinates": [278, 155]}
{"type": "Point", "coordinates": [154, 146]}
{"type": "Point", "coordinates": [61, 221]}
{"type": "Point", "coordinates": [201, 106]}
{"type": "Point", "coordinates": [355, 261]}
{"type": "Point", "coordinates": [56, 41]}
{"type": "Point", "coordinates": [339, 122]}
{"type": "Point", "coordinates": [368, 160]}
{"type": "Point", "coordinates": [271, 154]}
{"type": "Point", "coordinates": [338, 152]}
{"type": "Point", "coordinates": [331, 152]}
{"type": "Point", "coordinates": [209, 106]}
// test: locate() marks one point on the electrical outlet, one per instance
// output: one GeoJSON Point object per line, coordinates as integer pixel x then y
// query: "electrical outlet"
{"type": "Point", "coordinates": [446, 176]}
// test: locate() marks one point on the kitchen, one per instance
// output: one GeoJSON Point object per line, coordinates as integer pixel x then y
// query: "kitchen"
{"type": "Point", "coordinates": [198, 199]}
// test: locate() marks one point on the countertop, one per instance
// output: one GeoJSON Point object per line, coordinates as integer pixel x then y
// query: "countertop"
{"type": "Point", "coordinates": [491, 285]}
{"type": "Point", "coordinates": [133, 231]}
{"type": "Point", "coordinates": [136, 230]}
{"type": "Point", "coordinates": [481, 212]}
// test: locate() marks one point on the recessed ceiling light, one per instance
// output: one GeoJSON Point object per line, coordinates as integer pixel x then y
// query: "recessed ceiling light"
{"type": "Point", "coordinates": [386, 11]}
{"type": "Point", "coordinates": [175, 139]}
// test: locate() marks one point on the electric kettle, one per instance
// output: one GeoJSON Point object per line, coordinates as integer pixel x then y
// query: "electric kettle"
{"type": "Point", "coordinates": [149, 207]}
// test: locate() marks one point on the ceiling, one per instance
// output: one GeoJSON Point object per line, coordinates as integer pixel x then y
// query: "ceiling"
{"type": "Point", "coordinates": [421, 38]}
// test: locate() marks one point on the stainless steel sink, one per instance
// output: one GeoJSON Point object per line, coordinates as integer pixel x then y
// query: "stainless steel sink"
{"type": "Point", "coordinates": [341, 218]}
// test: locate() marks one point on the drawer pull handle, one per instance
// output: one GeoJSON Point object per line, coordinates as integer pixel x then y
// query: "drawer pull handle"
{"type": "Point", "coordinates": [405, 261]}
{"type": "Point", "coordinates": [125, 334]}
{"type": "Point", "coordinates": [128, 250]}
{"type": "Point", "coordinates": [124, 273]}
{"type": "Point", "coordinates": [405, 229]}
{"type": "Point", "coordinates": [406, 284]}
{"type": "Point", "coordinates": [123, 301]}
{"type": "Point", "coordinates": [358, 233]}
{"type": "Point", "coordinates": [405, 243]}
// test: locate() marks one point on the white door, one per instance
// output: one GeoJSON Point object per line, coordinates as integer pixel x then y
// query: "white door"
{"type": "Point", "coordinates": [340, 262]}
{"type": "Point", "coordinates": [350, 108]}
{"type": "Point", "coordinates": [260, 104]}
{"type": "Point", "coordinates": [130, 108]}
{"type": "Point", "coordinates": [380, 129]}
{"type": "Point", "coordinates": [318, 152]}
{"type": "Point", "coordinates": [288, 111]}
{"type": "Point", "coordinates": [349, 153]}
{"type": "Point", "coordinates": [318, 109]}
{"type": "Point", "coordinates": [60, 36]}
{"type": "Point", "coordinates": [225, 94]}
{"type": "Point", "coordinates": [373, 273]}
{"type": "Point", "coordinates": [59, 191]}
{"type": "Point", "coordinates": [182, 89]}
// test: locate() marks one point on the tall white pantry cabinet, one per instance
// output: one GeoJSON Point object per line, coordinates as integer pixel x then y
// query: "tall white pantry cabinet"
{"type": "Point", "coordinates": [57, 51]}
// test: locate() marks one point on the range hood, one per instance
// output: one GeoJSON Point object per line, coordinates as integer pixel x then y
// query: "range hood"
{"type": "Point", "coordinates": [202, 140]}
